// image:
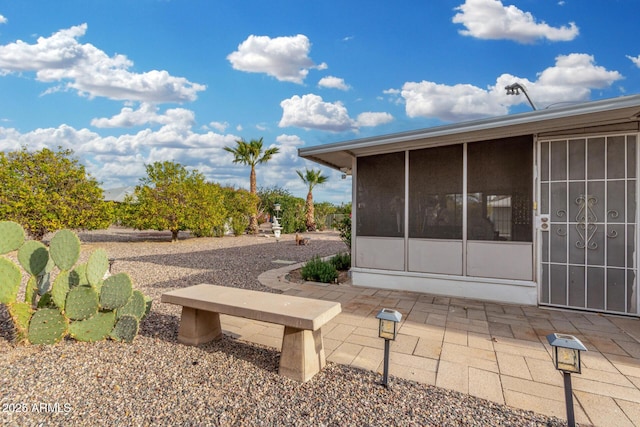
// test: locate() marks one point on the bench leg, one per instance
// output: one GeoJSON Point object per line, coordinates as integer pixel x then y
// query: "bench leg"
{"type": "Point", "coordinates": [198, 326]}
{"type": "Point", "coordinates": [302, 354]}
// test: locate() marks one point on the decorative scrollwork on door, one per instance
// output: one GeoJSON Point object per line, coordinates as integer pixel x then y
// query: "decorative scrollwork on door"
{"type": "Point", "coordinates": [586, 218]}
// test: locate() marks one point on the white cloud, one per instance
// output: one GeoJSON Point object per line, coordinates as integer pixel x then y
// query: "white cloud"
{"type": "Point", "coordinates": [571, 79]}
{"type": "Point", "coordinates": [311, 112]}
{"type": "Point", "coordinates": [449, 103]}
{"type": "Point", "coordinates": [146, 114]}
{"type": "Point", "coordinates": [219, 126]}
{"type": "Point", "coordinates": [90, 71]}
{"type": "Point", "coordinates": [333, 83]}
{"type": "Point", "coordinates": [490, 19]}
{"type": "Point", "coordinates": [370, 119]}
{"type": "Point", "coordinates": [285, 58]}
{"type": "Point", "coordinates": [635, 60]}
{"type": "Point", "coordinates": [3, 20]}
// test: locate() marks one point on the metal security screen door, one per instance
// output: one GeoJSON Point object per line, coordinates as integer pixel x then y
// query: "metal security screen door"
{"type": "Point", "coordinates": [588, 195]}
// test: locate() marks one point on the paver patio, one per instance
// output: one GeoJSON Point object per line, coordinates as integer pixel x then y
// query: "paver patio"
{"type": "Point", "coordinates": [493, 351]}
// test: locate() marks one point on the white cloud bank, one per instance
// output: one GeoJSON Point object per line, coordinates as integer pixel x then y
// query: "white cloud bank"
{"type": "Point", "coordinates": [3, 20]}
{"type": "Point", "coordinates": [285, 58]}
{"type": "Point", "coordinates": [120, 160]}
{"type": "Point", "coordinates": [312, 112]}
{"type": "Point", "coordinates": [90, 71]}
{"type": "Point", "coordinates": [491, 19]}
{"type": "Point", "coordinates": [571, 79]}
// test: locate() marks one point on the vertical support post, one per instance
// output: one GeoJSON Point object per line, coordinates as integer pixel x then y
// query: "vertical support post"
{"type": "Point", "coordinates": [568, 396]}
{"type": "Point", "coordinates": [385, 375]}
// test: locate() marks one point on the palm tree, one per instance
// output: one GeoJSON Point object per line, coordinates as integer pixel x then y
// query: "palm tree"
{"type": "Point", "coordinates": [250, 153]}
{"type": "Point", "coordinates": [311, 178]}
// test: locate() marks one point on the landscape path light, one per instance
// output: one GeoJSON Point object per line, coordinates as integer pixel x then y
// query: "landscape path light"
{"type": "Point", "coordinates": [566, 358]}
{"type": "Point", "coordinates": [388, 329]}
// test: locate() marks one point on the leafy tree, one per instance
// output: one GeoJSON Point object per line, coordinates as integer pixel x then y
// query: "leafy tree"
{"type": "Point", "coordinates": [292, 208]}
{"type": "Point", "coordinates": [312, 178]}
{"type": "Point", "coordinates": [49, 190]}
{"type": "Point", "coordinates": [240, 204]}
{"type": "Point", "coordinates": [251, 153]}
{"type": "Point", "coordinates": [172, 198]}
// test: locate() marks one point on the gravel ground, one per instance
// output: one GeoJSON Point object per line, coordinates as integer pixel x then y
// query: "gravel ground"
{"type": "Point", "coordinates": [156, 381]}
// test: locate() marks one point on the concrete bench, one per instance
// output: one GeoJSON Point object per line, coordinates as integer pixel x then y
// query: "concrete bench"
{"type": "Point", "coordinates": [302, 348]}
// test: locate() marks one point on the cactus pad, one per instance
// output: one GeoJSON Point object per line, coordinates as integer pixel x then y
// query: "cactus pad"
{"type": "Point", "coordinates": [136, 306]}
{"type": "Point", "coordinates": [47, 326]}
{"type": "Point", "coordinates": [60, 289]}
{"type": "Point", "coordinates": [33, 257]}
{"type": "Point", "coordinates": [78, 276]}
{"type": "Point", "coordinates": [147, 309]}
{"type": "Point", "coordinates": [126, 329]}
{"type": "Point", "coordinates": [11, 277]}
{"type": "Point", "coordinates": [95, 328]}
{"type": "Point", "coordinates": [12, 236]}
{"type": "Point", "coordinates": [20, 313]}
{"type": "Point", "coordinates": [116, 291]}
{"type": "Point", "coordinates": [31, 290]}
{"type": "Point", "coordinates": [64, 248]}
{"type": "Point", "coordinates": [82, 303]}
{"type": "Point", "coordinates": [97, 266]}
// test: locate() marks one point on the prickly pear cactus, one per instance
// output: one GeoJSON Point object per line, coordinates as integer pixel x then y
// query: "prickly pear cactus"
{"type": "Point", "coordinates": [11, 277]}
{"type": "Point", "coordinates": [60, 289]}
{"type": "Point", "coordinates": [78, 276]}
{"type": "Point", "coordinates": [116, 291]}
{"type": "Point", "coordinates": [47, 326]}
{"type": "Point", "coordinates": [97, 266]}
{"type": "Point", "coordinates": [126, 328]}
{"type": "Point", "coordinates": [64, 248]}
{"type": "Point", "coordinates": [82, 303]}
{"type": "Point", "coordinates": [136, 306]}
{"type": "Point", "coordinates": [12, 236]}
{"type": "Point", "coordinates": [33, 257]}
{"type": "Point", "coordinates": [95, 328]}
{"type": "Point", "coordinates": [20, 313]}
{"type": "Point", "coordinates": [79, 302]}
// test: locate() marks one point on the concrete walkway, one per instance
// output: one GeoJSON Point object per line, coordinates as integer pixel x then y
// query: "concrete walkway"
{"type": "Point", "coordinates": [494, 351]}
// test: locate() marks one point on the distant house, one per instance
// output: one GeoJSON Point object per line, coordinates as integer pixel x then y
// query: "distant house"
{"type": "Point", "coordinates": [117, 194]}
{"type": "Point", "coordinates": [532, 208]}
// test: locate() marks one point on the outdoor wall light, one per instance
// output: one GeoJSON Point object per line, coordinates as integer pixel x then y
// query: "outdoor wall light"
{"type": "Point", "coordinates": [388, 329]}
{"type": "Point", "coordinates": [566, 358]}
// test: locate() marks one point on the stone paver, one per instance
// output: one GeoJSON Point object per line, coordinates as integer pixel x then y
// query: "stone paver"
{"type": "Point", "coordinates": [494, 351]}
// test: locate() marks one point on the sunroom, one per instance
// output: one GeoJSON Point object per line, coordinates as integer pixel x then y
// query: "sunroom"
{"type": "Point", "coordinates": [531, 208]}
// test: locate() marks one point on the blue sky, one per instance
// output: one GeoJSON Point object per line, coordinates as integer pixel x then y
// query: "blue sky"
{"type": "Point", "coordinates": [125, 83]}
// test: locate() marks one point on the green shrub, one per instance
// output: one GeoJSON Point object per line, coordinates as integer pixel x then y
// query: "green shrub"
{"type": "Point", "coordinates": [319, 271]}
{"type": "Point", "coordinates": [341, 262]}
{"type": "Point", "coordinates": [344, 227]}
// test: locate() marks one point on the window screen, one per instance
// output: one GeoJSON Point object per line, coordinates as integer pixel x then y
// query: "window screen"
{"type": "Point", "coordinates": [500, 190]}
{"type": "Point", "coordinates": [380, 197]}
{"type": "Point", "coordinates": [435, 193]}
